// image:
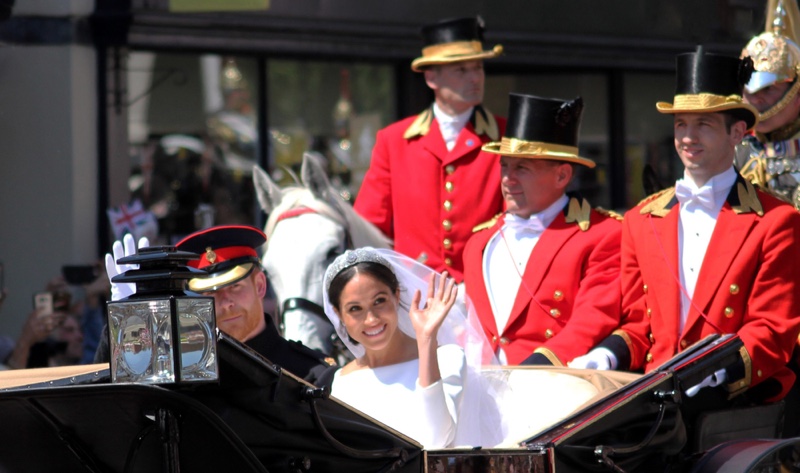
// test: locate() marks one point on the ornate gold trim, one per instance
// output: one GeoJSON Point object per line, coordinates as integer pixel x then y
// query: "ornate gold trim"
{"type": "Point", "coordinates": [487, 224]}
{"type": "Point", "coordinates": [579, 212]}
{"type": "Point", "coordinates": [737, 387]}
{"type": "Point", "coordinates": [421, 125]}
{"type": "Point", "coordinates": [748, 199]}
{"type": "Point", "coordinates": [549, 355]}
{"type": "Point", "coordinates": [658, 205]}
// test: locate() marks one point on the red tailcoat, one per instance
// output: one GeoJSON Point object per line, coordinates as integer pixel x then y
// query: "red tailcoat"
{"type": "Point", "coordinates": [428, 199]}
{"type": "Point", "coordinates": [748, 283]}
{"type": "Point", "coordinates": [574, 276]}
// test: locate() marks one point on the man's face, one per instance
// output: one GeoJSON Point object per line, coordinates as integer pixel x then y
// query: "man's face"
{"type": "Point", "coordinates": [765, 98]}
{"type": "Point", "coordinates": [704, 143]}
{"type": "Point", "coordinates": [457, 86]}
{"type": "Point", "coordinates": [531, 185]}
{"type": "Point", "coordinates": [239, 307]}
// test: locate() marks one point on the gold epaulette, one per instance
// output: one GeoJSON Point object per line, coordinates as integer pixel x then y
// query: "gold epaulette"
{"type": "Point", "coordinates": [609, 213]}
{"type": "Point", "coordinates": [657, 203]}
{"type": "Point", "coordinates": [579, 212]}
{"type": "Point", "coordinates": [748, 199]}
{"type": "Point", "coordinates": [486, 124]}
{"type": "Point", "coordinates": [486, 224]}
{"type": "Point", "coordinates": [421, 125]}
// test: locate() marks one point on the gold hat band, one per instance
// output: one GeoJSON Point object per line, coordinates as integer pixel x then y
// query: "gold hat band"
{"type": "Point", "coordinates": [517, 146]}
{"type": "Point", "coordinates": [703, 101]}
{"type": "Point", "coordinates": [458, 48]}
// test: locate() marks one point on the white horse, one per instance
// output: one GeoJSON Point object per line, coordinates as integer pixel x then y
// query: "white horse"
{"type": "Point", "coordinates": [308, 225]}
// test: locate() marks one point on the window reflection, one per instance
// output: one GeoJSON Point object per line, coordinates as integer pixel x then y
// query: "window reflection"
{"type": "Point", "coordinates": [194, 132]}
{"type": "Point", "coordinates": [335, 108]}
{"type": "Point", "coordinates": [194, 139]}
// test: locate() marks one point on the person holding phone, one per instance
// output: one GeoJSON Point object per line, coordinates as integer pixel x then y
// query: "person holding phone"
{"type": "Point", "coordinates": [36, 342]}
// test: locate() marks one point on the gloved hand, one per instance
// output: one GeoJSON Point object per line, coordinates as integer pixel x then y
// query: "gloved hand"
{"type": "Point", "coordinates": [714, 379]}
{"type": "Point", "coordinates": [122, 290]}
{"type": "Point", "coordinates": [597, 359]}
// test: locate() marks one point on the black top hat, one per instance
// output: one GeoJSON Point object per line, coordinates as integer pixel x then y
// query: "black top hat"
{"type": "Point", "coordinates": [228, 254]}
{"type": "Point", "coordinates": [453, 40]}
{"type": "Point", "coordinates": [708, 83]}
{"type": "Point", "coordinates": [542, 128]}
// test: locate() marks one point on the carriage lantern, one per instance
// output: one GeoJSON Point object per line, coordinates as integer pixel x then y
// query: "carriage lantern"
{"type": "Point", "coordinates": [162, 334]}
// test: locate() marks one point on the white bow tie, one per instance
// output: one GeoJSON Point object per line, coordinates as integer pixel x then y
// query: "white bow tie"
{"type": "Point", "coordinates": [532, 226]}
{"type": "Point", "coordinates": [686, 193]}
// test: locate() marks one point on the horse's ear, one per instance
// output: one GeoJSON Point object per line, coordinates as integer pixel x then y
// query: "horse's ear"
{"type": "Point", "coordinates": [268, 193]}
{"type": "Point", "coordinates": [314, 177]}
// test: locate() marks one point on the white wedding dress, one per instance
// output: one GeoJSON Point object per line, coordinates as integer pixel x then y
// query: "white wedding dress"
{"type": "Point", "coordinates": [391, 395]}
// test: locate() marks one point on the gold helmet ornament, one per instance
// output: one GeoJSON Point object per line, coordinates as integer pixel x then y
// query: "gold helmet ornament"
{"type": "Point", "coordinates": [231, 77]}
{"type": "Point", "coordinates": [775, 54]}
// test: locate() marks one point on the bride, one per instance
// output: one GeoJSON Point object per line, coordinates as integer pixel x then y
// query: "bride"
{"type": "Point", "coordinates": [415, 368]}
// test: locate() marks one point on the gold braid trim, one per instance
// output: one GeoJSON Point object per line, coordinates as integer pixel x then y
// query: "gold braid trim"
{"type": "Point", "coordinates": [516, 146]}
{"type": "Point", "coordinates": [748, 199]}
{"type": "Point", "coordinates": [737, 387]}
{"type": "Point", "coordinates": [457, 48]}
{"type": "Point", "coordinates": [421, 125]}
{"type": "Point", "coordinates": [486, 224]}
{"type": "Point", "coordinates": [579, 212]}
{"type": "Point", "coordinates": [704, 100]}
{"type": "Point", "coordinates": [551, 357]}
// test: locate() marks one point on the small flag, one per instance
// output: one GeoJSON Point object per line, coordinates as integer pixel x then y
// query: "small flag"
{"type": "Point", "coordinates": [133, 219]}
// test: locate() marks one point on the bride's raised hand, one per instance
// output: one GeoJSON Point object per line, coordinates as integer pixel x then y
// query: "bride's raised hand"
{"type": "Point", "coordinates": [440, 299]}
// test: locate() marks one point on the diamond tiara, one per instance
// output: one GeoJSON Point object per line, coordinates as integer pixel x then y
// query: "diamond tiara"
{"type": "Point", "coordinates": [351, 258]}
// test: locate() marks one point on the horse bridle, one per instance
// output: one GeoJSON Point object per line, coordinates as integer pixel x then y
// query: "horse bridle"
{"type": "Point", "coordinates": [301, 303]}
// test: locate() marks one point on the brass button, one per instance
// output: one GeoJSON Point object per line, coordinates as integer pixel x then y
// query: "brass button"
{"type": "Point", "coordinates": [729, 312]}
{"type": "Point", "coordinates": [449, 169]}
{"type": "Point", "coordinates": [447, 244]}
{"type": "Point", "coordinates": [734, 289]}
{"type": "Point", "coordinates": [448, 186]}
{"type": "Point", "coordinates": [447, 225]}
{"type": "Point", "coordinates": [758, 373]}
{"type": "Point", "coordinates": [652, 338]}
{"type": "Point", "coordinates": [548, 333]}
{"type": "Point", "coordinates": [448, 262]}
{"type": "Point", "coordinates": [448, 206]}
{"type": "Point", "coordinates": [558, 295]}
{"type": "Point", "coordinates": [494, 338]}
{"type": "Point", "coordinates": [649, 312]}
{"type": "Point", "coordinates": [645, 288]}
{"type": "Point", "coordinates": [649, 358]}
{"type": "Point", "coordinates": [684, 343]}
{"type": "Point", "coordinates": [503, 341]}
{"type": "Point", "coordinates": [555, 313]}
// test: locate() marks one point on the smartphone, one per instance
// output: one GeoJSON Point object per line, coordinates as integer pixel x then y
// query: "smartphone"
{"type": "Point", "coordinates": [43, 303]}
{"type": "Point", "coordinates": [79, 274]}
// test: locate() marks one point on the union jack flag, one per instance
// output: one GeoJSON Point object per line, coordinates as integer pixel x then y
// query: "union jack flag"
{"type": "Point", "coordinates": [133, 219]}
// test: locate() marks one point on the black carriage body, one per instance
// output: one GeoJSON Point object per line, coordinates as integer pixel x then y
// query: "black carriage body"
{"type": "Point", "coordinates": [261, 419]}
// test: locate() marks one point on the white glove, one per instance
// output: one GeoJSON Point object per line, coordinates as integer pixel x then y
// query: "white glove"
{"type": "Point", "coordinates": [122, 290]}
{"type": "Point", "coordinates": [714, 379]}
{"type": "Point", "coordinates": [597, 359]}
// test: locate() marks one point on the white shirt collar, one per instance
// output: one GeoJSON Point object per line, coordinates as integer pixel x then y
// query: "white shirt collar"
{"type": "Point", "coordinates": [546, 216]}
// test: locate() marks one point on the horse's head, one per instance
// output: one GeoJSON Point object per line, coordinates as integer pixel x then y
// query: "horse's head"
{"type": "Point", "coordinates": [308, 225]}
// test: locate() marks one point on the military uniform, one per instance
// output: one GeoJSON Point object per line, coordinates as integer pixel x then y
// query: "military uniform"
{"type": "Point", "coordinates": [770, 156]}
{"type": "Point", "coordinates": [773, 164]}
{"type": "Point", "coordinates": [573, 275]}
{"type": "Point", "coordinates": [427, 198]}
